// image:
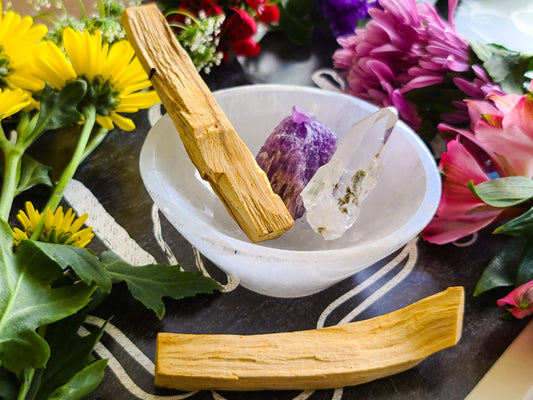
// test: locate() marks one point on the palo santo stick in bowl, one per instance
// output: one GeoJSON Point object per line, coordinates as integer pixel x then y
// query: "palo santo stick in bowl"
{"type": "Point", "coordinates": [336, 356]}
{"type": "Point", "coordinates": [209, 138]}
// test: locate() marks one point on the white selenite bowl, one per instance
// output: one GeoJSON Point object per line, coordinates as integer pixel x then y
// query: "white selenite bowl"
{"type": "Point", "coordinates": [300, 262]}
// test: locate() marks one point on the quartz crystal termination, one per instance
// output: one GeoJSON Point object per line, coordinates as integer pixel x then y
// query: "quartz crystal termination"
{"type": "Point", "coordinates": [292, 154]}
{"type": "Point", "coordinates": [334, 195]}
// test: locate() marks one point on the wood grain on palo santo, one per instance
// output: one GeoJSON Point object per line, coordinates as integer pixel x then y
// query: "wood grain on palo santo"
{"type": "Point", "coordinates": [209, 138]}
{"type": "Point", "coordinates": [337, 356]}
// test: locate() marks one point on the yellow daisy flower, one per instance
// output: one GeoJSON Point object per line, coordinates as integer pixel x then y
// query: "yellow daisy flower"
{"type": "Point", "coordinates": [114, 75]}
{"type": "Point", "coordinates": [18, 40]}
{"type": "Point", "coordinates": [59, 227]}
{"type": "Point", "coordinates": [12, 101]}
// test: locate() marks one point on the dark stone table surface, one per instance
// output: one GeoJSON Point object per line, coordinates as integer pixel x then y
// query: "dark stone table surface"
{"type": "Point", "coordinates": [110, 185]}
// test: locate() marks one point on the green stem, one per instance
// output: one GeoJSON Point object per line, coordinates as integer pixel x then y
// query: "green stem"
{"type": "Point", "coordinates": [90, 117]}
{"type": "Point", "coordinates": [79, 154]}
{"type": "Point", "coordinates": [13, 158]}
{"type": "Point", "coordinates": [82, 7]}
{"type": "Point", "coordinates": [26, 383]}
{"type": "Point", "coordinates": [29, 375]}
{"type": "Point", "coordinates": [95, 142]}
{"type": "Point", "coordinates": [186, 14]}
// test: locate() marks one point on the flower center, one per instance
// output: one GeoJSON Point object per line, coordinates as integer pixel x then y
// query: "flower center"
{"type": "Point", "coordinates": [5, 69]}
{"type": "Point", "coordinates": [57, 236]}
{"type": "Point", "coordinates": [101, 93]}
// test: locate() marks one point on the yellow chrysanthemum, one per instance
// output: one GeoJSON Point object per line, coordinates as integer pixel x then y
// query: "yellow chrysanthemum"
{"type": "Point", "coordinates": [115, 76]}
{"type": "Point", "coordinates": [59, 227]}
{"type": "Point", "coordinates": [18, 41]}
{"type": "Point", "coordinates": [12, 101]}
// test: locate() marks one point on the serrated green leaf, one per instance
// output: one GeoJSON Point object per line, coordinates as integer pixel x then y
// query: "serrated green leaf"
{"type": "Point", "coordinates": [519, 226]}
{"type": "Point", "coordinates": [506, 67]}
{"type": "Point", "coordinates": [33, 173]}
{"type": "Point", "coordinates": [83, 383]}
{"type": "Point", "coordinates": [150, 283]}
{"type": "Point", "coordinates": [83, 261]}
{"type": "Point", "coordinates": [504, 192]}
{"type": "Point", "coordinates": [26, 304]}
{"type": "Point", "coordinates": [58, 109]}
{"type": "Point", "coordinates": [502, 268]}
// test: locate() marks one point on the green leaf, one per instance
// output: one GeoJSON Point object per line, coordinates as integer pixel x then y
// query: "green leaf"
{"type": "Point", "coordinates": [33, 173]}
{"type": "Point", "coordinates": [505, 67]}
{"type": "Point", "coordinates": [299, 9]}
{"type": "Point", "coordinates": [83, 261]}
{"type": "Point", "coordinates": [9, 385]}
{"type": "Point", "coordinates": [519, 226]}
{"type": "Point", "coordinates": [26, 303]}
{"type": "Point", "coordinates": [502, 269]}
{"type": "Point", "coordinates": [83, 383]}
{"type": "Point", "coordinates": [524, 272]}
{"type": "Point", "coordinates": [150, 283]}
{"type": "Point", "coordinates": [70, 354]}
{"type": "Point", "coordinates": [430, 107]}
{"type": "Point", "coordinates": [504, 192]}
{"type": "Point", "coordinates": [58, 109]}
{"type": "Point", "coordinates": [295, 23]}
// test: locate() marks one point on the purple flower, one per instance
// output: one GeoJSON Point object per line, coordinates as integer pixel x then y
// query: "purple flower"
{"type": "Point", "coordinates": [405, 48]}
{"type": "Point", "coordinates": [343, 15]}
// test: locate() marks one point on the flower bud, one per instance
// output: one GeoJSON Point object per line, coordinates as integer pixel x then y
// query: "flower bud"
{"type": "Point", "coordinates": [520, 301]}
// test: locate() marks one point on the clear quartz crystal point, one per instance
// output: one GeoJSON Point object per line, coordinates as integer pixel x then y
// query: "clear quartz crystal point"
{"type": "Point", "coordinates": [334, 195]}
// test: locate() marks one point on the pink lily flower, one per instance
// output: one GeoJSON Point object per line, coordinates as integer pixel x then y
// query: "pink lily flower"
{"type": "Point", "coordinates": [520, 301]}
{"type": "Point", "coordinates": [502, 135]}
{"type": "Point", "coordinates": [460, 212]}
{"type": "Point", "coordinates": [502, 126]}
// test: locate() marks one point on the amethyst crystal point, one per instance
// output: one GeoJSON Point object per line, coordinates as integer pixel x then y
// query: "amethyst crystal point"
{"type": "Point", "coordinates": [293, 152]}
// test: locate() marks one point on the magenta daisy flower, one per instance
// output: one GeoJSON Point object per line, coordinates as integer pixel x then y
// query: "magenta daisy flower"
{"type": "Point", "coordinates": [404, 49]}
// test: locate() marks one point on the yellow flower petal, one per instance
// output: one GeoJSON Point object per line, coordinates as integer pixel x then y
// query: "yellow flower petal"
{"type": "Point", "coordinates": [18, 39]}
{"type": "Point", "coordinates": [112, 69]}
{"type": "Point", "coordinates": [59, 227]}
{"type": "Point", "coordinates": [12, 101]}
{"type": "Point", "coordinates": [136, 101]}
{"type": "Point", "coordinates": [53, 67]}
{"type": "Point", "coordinates": [123, 123]}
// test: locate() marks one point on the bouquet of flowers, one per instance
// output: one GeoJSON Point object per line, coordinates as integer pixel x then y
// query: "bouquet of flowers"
{"type": "Point", "coordinates": [211, 31]}
{"type": "Point", "coordinates": [49, 279]}
{"type": "Point", "coordinates": [476, 100]}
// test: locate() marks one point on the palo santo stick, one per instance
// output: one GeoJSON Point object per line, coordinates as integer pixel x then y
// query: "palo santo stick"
{"type": "Point", "coordinates": [336, 356]}
{"type": "Point", "coordinates": [211, 142]}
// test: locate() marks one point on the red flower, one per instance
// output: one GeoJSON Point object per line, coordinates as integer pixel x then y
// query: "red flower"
{"type": "Point", "coordinates": [237, 34]}
{"type": "Point", "coordinates": [211, 7]}
{"type": "Point", "coordinates": [240, 25]}
{"type": "Point", "coordinates": [255, 3]}
{"type": "Point", "coordinates": [267, 14]}
{"type": "Point", "coordinates": [246, 47]}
